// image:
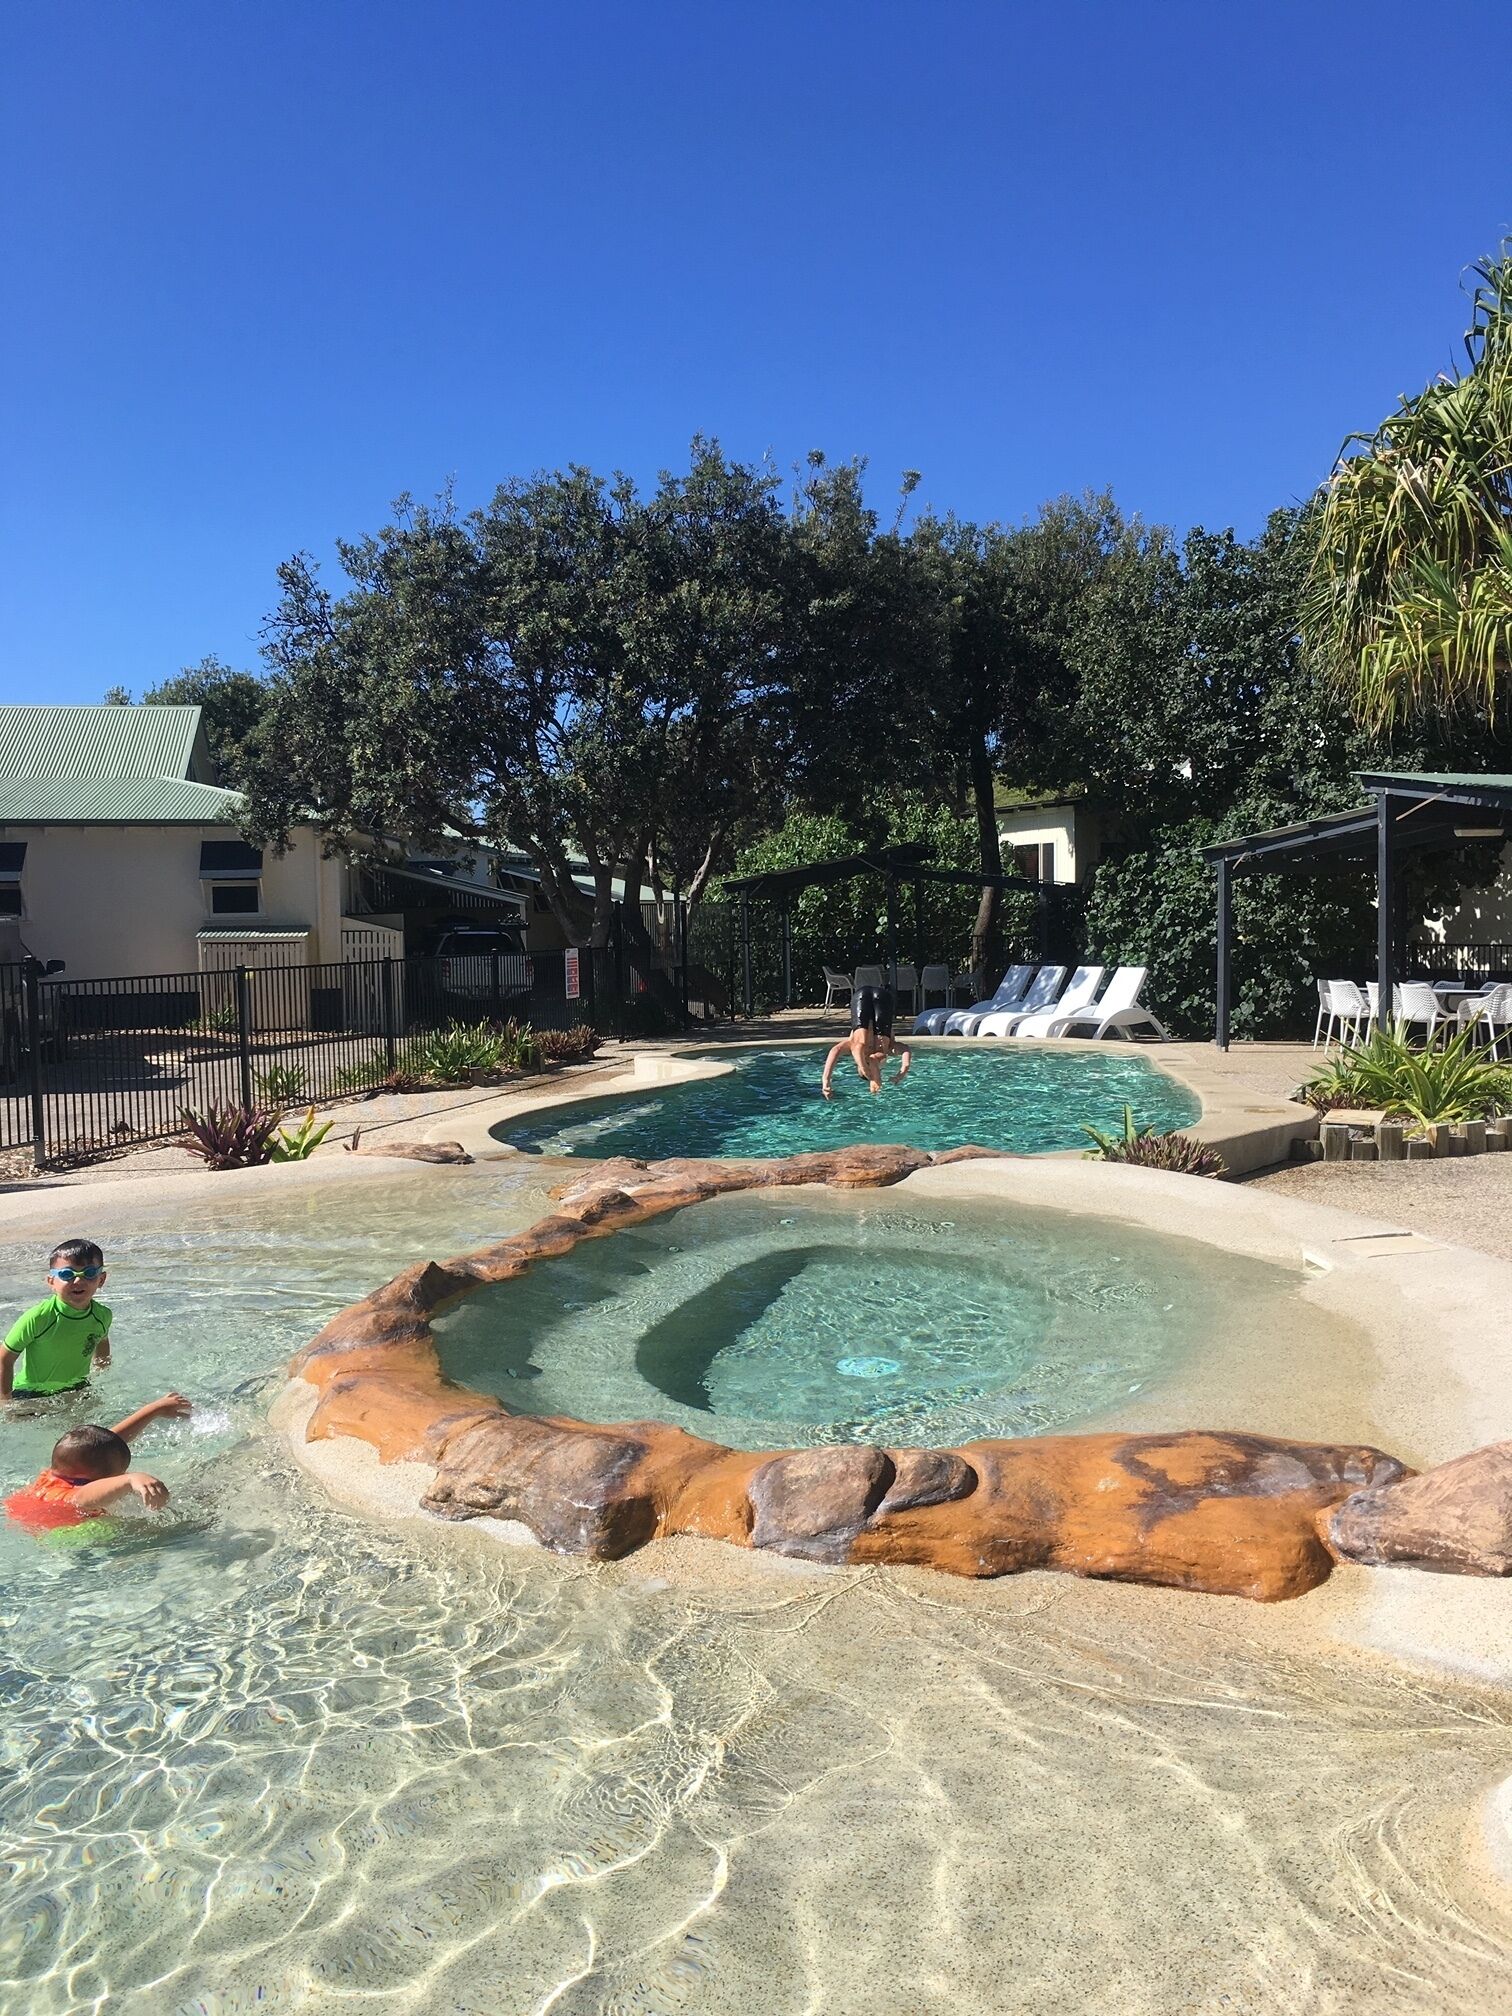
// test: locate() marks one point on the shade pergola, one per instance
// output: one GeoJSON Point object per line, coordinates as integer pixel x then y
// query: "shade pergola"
{"type": "Point", "coordinates": [905, 863]}
{"type": "Point", "coordinates": [1409, 811]}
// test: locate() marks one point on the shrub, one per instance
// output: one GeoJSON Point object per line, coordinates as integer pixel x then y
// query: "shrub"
{"type": "Point", "coordinates": [453, 1054]}
{"type": "Point", "coordinates": [464, 1051]}
{"type": "Point", "coordinates": [522, 1046]}
{"type": "Point", "coordinates": [218, 1021]}
{"type": "Point", "coordinates": [300, 1145]}
{"type": "Point", "coordinates": [568, 1046]}
{"type": "Point", "coordinates": [230, 1137]}
{"type": "Point", "coordinates": [456, 1055]}
{"type": "Point", "coordinates": [1145, 1149]}
{"type": "Point", "coordinates": [280, 1084]}
{"type": "Point", "coordinates": [1433, 1087]}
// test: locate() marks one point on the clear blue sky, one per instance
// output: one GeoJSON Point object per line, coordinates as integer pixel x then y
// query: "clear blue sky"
{"type": "Point", "coordinates": [270, 264]}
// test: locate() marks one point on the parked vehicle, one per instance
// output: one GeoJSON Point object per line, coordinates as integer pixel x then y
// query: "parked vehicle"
{"type": "Point", "coordinates": [15, 963]}
{"type": "Point", "coordinates": [485, 965]}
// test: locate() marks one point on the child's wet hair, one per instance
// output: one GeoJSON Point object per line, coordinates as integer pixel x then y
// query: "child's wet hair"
{"type": "Point", "coordinates": [91, 1452]}
{"type": "Point", "coordinates": [75, 1253]}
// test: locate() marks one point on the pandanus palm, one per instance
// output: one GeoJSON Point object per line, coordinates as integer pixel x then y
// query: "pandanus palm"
{"type": "Point", "coordinates": [1409, 595]}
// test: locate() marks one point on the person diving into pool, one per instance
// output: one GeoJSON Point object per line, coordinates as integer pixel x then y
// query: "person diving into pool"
{"type": "Point", "coordinates": [870, 1042]}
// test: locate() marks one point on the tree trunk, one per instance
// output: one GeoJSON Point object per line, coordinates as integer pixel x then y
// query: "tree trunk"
{"type": "Point", "coordinates": [987, 932]}
{"type": "Point", "coordinates": [572, 910]}
{"type": "Point", "coordinates": [659, 983]}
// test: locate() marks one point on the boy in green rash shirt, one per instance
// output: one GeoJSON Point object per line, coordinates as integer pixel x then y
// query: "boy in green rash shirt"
{"type": "Point", "coordinates": [54, 1347]}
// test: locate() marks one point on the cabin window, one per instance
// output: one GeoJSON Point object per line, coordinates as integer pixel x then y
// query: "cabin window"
{"type": "Point", "coordinates": [232, 873]}
{"type": "Point", "coordinates": [235, 899]}
{"type": "Point", "coordinates": [12, 861]}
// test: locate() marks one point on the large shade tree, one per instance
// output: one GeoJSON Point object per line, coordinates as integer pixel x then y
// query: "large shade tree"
{"type": "Point", "coordinates": [992, 699]}
{"type": "Point", "coordinates": [1409, 597]}
{"type": "Point", "coordinates": [231, 704]}
{"type": "Point", "coordinates": [576, 670]}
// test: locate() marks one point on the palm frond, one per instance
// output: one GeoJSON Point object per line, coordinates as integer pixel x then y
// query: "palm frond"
{"type": "Point", "coordinates": [1409, 593]}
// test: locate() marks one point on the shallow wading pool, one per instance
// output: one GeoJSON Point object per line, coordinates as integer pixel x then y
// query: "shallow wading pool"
{"type": "Point", "coordinates": [776, 1320]}
{"type": "Point", "coordinates": [1028, 1098]}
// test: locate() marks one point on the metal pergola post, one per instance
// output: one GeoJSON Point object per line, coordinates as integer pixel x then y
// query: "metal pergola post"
{"type": "Point", "coordinates": [682, 958]}
{"type": "Point", "coordinates": [1225, 954]}
{"type": "Point", "coordinates": [892, 934]}
{"type": "Point", "coordinates": [748, 990]}
{"type": "Point", "coordinates": [1386, 908]}
{"type": "Point", "coordinates": [787, 955]}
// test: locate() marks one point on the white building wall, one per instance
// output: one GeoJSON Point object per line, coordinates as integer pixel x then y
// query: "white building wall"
{"type": "Point", "coordinates": [1483, 916]}
{"type": "Point", "coordinates": [1072, 830]}
{"type": "Point", "coordinates": [128, 899]}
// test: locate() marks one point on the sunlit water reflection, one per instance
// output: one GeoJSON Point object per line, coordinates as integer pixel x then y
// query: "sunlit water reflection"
{"type": "Point", "coordinates": [273, 1759]}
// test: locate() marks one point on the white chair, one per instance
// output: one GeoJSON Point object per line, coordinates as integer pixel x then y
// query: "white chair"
{"type": "Point", "coordinates": [907, 983]}
{"type": "Point", "coordinates": [1418, 1006]}
{"type": "Point", "coordinates": [934, 980]}
{"type": "Point", "coordinates": [1349, 1011]}
{"type": "Point", "coordinates": [1323, 1012]}
{"type": "Point", "coordinates": [836, 983]}
{"type": "Point", "coordinates": [1042, 994]}
{"type": "Point", "coordinates": [1012, 988]}
{"type": "Point", "coordinates": [869, 976]}
{"type": "Point", "coordinates": [1491, 1012]}
{"type": "Point", "coordinates": [1372, 1009]}
{"type": "Point", "coordinates": [1119, 1012]}
{"type": "Point", "coordinates": [1081, 992]}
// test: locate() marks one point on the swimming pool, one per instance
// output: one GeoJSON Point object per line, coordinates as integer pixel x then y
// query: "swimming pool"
{"type": "Point", "coordinates": [1029, 1098]}
{"type": "Point", "coordinates": [773, 1321]}
{"type": "Point", "coordinates": [273, 1760]}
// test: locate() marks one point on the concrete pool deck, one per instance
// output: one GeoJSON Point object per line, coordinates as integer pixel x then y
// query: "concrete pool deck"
{"type": "Point", "coordinates": [1247, 1113]}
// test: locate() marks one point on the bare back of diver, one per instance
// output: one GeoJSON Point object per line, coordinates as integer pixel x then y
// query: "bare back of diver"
{"type": "Point", "coordinates": [869, 1043]}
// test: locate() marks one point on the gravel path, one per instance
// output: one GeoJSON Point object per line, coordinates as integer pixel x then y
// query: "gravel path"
{"type": "Point", "coordinates": [1467, 1202]}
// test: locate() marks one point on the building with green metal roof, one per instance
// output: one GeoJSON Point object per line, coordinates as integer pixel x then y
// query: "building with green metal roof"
{"type": "Point", "coordinates": [144, 742]}
{"type": "Point", "coordinates": [121, 855]}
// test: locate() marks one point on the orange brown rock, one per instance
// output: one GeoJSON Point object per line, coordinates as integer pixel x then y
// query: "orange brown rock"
{"type": "Point", "coordinates": [1228, 1514]}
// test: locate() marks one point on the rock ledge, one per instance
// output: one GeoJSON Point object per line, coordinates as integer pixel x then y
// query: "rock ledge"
{"type": "Point", "coordinates": [1225, 1513]}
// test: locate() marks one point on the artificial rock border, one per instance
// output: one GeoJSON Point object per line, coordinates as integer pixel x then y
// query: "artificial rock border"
{"type": "Point", "coordinates": [1224, 1513]}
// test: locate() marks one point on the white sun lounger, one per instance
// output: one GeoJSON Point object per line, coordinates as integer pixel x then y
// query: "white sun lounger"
{"type": "Point", "coordinates": [1081, 992]}
{"type": "Point", "coordinates": [1045, 990]}
{"type": "Point", "coordinates": [1119, 1011]}
{"type": "Point", "coordinates": [1010, 994]}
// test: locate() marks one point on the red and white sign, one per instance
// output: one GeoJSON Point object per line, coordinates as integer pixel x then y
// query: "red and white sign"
{"type": "Point", "coordinates": [571, 973]}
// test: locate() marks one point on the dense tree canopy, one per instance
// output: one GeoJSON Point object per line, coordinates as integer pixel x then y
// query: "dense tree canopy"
{"type": "Point", "coordinates": [590, 675]}
{"type": "Point", "coordinates": [232, 705]}
{"type": "Point", "coordinates": [661, 686]}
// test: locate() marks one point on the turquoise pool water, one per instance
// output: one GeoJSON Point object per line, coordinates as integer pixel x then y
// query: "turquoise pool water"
{"type": "Point", "coordinates": [267, 1759]}
{"type": "Point", "coordinates": [1027, 1098]}
{"type": "Point", "coordinates": [767, 1321]}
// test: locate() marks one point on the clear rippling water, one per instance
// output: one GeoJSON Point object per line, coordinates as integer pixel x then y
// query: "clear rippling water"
{"type": "Point", "coordinates": [1027, 1097]}
{"type": "Point", "coordinates": [270, 1758]}
{"type": "Point", "coordinates": [768, 1322]}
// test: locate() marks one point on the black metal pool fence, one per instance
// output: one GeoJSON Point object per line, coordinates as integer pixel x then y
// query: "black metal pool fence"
{"type": "Point", "coordinates": [88, 1066]}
